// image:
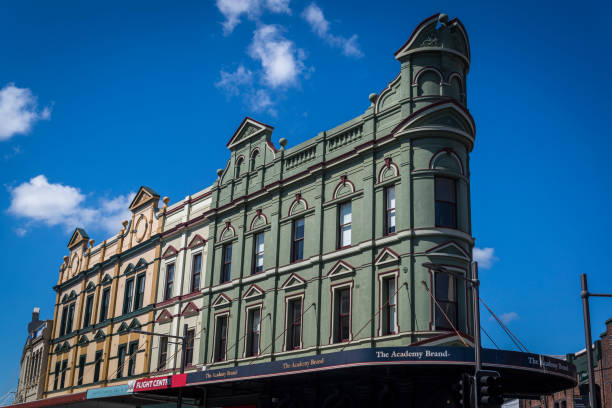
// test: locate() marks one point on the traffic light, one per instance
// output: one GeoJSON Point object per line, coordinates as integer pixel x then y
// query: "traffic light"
{"type": "Point", "coordinates": [463, 391]}
{"type": "Point", "coordinates": [489, 390]}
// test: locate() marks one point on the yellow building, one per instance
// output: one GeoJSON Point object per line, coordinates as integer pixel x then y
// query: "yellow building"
{"type": "Point", "coordinates": [103, 292]}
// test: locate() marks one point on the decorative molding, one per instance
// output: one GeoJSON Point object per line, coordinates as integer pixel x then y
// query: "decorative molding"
{"type": "Point", "coordinates": [298, 205]}
{"type": "Point", "coordinates": [226, 230]}
{"type": "Point", "coordinates": [341, 268]}
{"type": "Point", "coordinates": [449, 152]}
{"type": "Point", "coordinates": [190, 310]}
{"type": "Point", "coordinates": [259, 216]}
{"type": "Point", "coordinates": [253, 292]}
{"type": "Point", "coordinates": [386, 256]}
{"type": "Point", "coordinates": [294, 281]}
{"type": "Point", "coordinates": [222, 300]}
{"type": "Point", "coordinates": [450, 249]}
{"type": "Point", "coordinates": [388, 170]}
{"type": "Point", "coordinates": [170, 252]}
{"type": "Point", "coordinates": [248, 129]}
{"type": "Point", "coordinates": [196, 241]}
{"type": "Point", "coordinates": [164, 317]}
{"type": "Point", "coordinates": [344, 187]}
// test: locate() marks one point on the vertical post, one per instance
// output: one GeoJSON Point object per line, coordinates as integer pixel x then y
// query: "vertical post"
{"type": "Point", "coordinates": [584, 294]}
{"type": "Point", "coordinates": [478, 346]}
{"type": "Point", "coordinates": [179, 401]}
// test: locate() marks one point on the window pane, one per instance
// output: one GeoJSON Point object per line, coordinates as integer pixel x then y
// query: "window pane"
{"type": "Point", "coordinates": [390, 198]}
{"type": "Point", "coordinates": [445, 189]}
{"type": "Point", "coordinates": [260, 243]}
{"type": "Point", "coordinates": [299, 229]}
{"type": "Point", "coordinates": [445, 287]}
{"type": "Point", "coordinates": [391, 221]}
{"type": "Point", "coordinates": [345, 302]}
{"type": "Point", "coordinates": [446, 214]}
{"type": "Point", "coordinates": [228, 254]}
{"type": "Point", "coordinates": [345, 213]}
{"type": "Point", "coordinates": [196, 269]}
{"type": "Point", "coordinates": [345, 239]}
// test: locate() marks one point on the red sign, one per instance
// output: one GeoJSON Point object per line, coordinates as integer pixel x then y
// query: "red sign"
{"type": "Point", "coordinates": [160, 383]}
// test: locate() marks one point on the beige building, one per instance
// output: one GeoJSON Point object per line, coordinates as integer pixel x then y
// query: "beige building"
{"type": "Point", "coordinates": [34, 360]}
{"type": "Point", "coordinates": [180, 296]}
{"type": "Point", "coordinates": [103, 292]}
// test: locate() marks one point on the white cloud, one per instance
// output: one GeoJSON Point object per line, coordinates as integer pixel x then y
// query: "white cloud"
{"type": "Point", "coordinates": [485, 257]}
{"type": "Point", "coordinates": [281, 61]}
{"type": "Point", "coordinates": [319, 24]}
{"type": "Point", "coordinates": [20, 232]}
{"type": "Point", "coordinates": [51, 204]}
{"type": "Point", "coordinates": [233, 10]}
{"type": "Point", "coordinates": [260, 101]}
{"type": "Point", "coordinates": [232, 81]}
{"type": "Point", "coordinates": [508, 317]}
{"type": "Point", "coordinates": [18, 111]}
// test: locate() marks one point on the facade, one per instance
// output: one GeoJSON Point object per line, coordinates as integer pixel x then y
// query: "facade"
{"type": "Point", "coordinates": [34, 360]}
{"type": "Point", "coordinates": [577, 397]}
{"type": "Point", "coordinates": [104, 291]}
{"type": "Point", "coordinates": [179, 296]}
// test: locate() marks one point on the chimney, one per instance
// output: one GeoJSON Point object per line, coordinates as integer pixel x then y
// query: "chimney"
{"type": "Point", "coordinates": [35, 314]}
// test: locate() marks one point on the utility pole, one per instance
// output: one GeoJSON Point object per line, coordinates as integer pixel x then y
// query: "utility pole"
{"type": "Point", "coordinates": [584, 294]}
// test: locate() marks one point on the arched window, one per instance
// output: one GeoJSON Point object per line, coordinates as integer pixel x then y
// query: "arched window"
{"type": "Point", "coordinates": [254, 159]}
{"type": "Point", "coordinates": [456, 89]}
{"type": "Point", "coordinates": [429, 83]}
{"type": "Point", "coordinates": [239, 166]}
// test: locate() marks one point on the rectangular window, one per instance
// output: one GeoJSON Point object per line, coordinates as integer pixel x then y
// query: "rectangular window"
{"type": "Point", "coordinates": [82, 360]}
{"type": "Point", "coordinates": [63, 322]}
{"type": "Point", "coordinates": [163, 353]}
{"type": "Point", "coordinates": [294, 324]}
{"type": "Point", "coordinates": [253, 327]}
{"type": "Point", "coordinates": [226, 268]}
{"type": "Point", "coordinates": [132, 354]}
{"type": "Point", "coordinates": [389, 307]}
{"type": "Point", "coordinates": [446, 295]}
{"type": "Point", "coordinates": [221, 338]}
{"type": "Point", "coordinates": [64, 369]}
{"type": "Point", "coordinates": [196, 272]}
{"type": "Point", "coordinates": [97, 366]}
{"type": "Point", "coordinates": [169, 281]}
{"type": "Point", "coordinates": [389, 210]}
{"type": "Point", "coordinates": [88, 311]}
{"type": "Point", "coordinates": [343, 315]}
{"type": "Point", "coordinates": [104, 304]}
{"type": "Point", "coordinates": [258, 248]}
{"type": "Point", "coordinates": [128, 296]}
{"type": "Point", "coordinates": [344, 225]}
{"type": "Point", "coordinates": [140, 291]}
{"type": "Point", "coordinates": [70, 318]}
{"type": "Point", "coordinates": [189, 346]}
{"type": "Point", "coordinates": [120, 360]}
{"type": "Point", "coordinates": [297, 248]}
{"type": "Point", "coordinates": [446, 202]}
{"type": "Point", "coordinates": [56, 376]}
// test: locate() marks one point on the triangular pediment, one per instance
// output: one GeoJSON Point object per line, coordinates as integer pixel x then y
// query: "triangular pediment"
{"type": "Point", "coordinates": [129, 269]}
{"type": "Point", "coordinates": [144, 196]}
{"type": "Point", "coordinates": [135, 325]}
{"type": "Point", "coordinates": [253, 292]}
{"type": "Point", "coordinates": [248, 129]}
{"type": "Point", "coordinates": [387, 256]}
{"type": "Point", "coordinates": [341, 268]}
{"type": "Point", "coordinates": [170, 252]}
{"type": "Point", "coordinates": [107, 279]}
{"type": "Point", "coordinates": [190, 310]}
{"type": "Point", "coordinates": [65, 347]}
{"type": "Point", "coordinates": [78, 236]}
{"type": "Point", "coordinates": [164, 317]}
{"type": "Point", "coordinates": [90, 287]}
{"type": "Point", "coordinates": [222, 300]}
{"type": "Point", "coordinates": [196, 241]}
{"type": "Point", "coordinates": [141, 264]}
{"type": "Point", "coordinates": [123, 328]}
{"type": "Point", "coordinates": [293, 282]}
{"type": "Point", "coordinates": [449, 249]}
{"type": "Point", "coordinates": [83, 341]}
{"type": "Point", "coordinates": [99, 336]}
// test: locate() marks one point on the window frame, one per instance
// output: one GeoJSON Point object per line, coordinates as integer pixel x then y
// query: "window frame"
{"type": "Point", "coordinates": [121, 353]}
{"type": "Point", "coordinates": [169, 282]}
{"type": "Point", "coordinates": [196, 272]}
{"type": "Point", "coordinates": [217, 350]}
{"type": "Point", "coordinates": [104, 304]}
{"type": "Point", "coordinates": [335, 321]}
{"type": "Point", "coordinates": [290, 322]}
{"type": "Point", "coordinates": [56, 376]}
{"type": "Point", "coordinates": [250, 333]}
{"type": "Point", "coordinates": [297, 242]}
{"type": "Point", "coordinates": [98, 357]}
{"type": "Point", "coordinates": [70, 319]}
{"type": "Point", "coordinates": [341, 244]}
{"type": "Point", "coordinates": [256, 254]}
{"type": "Point", "coordinates": [62, 328]}
{"type": "Point", "coordinates": [162, 357]}
{"type": "Point", "coordinates": [435, 310]}
{"type": "Point", "coordinates": [226, 264]}
{"type": "Point", "coordinates": [82, 363]}
{"type": "Point", "coordinates": [63, 370]}
{"type": "Point", "coordinates": [138, 295]}
{"type": "Point", "coordinates": [89, 301]}
{"type": "Point", "coordinates": [388, 210]}
{"type": "Point", "coordinates": [189, 346]}
{"type": "Point", "coordinates": [132, 354]}
{"type": "Point", "coordinates": [384, 328]}
{"type": "Point", "coordinates": [128, 295]}
{"type": "Point", "coordinates": [452, 203]}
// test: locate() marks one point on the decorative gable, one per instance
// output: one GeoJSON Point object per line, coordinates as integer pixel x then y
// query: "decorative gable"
{"type": "Point", "coordinates": [99, 336]}
{"type": "Point", "coordinates": [196, 241]}
{"type": "Point", "coordinates": [248, 129]}
{"type": "Point", "coordinates": [293, 282]}
{"type": "Point", "coordinates": [83, 341]}
{"type": "Point", "coordinates": [144, 196]}
{"type": "Point", "coordinates": [190, 310]}
{"type": "Point", "coordinates": [449, 249]}
{"type": "Point", "coordinates": [253, 292]}
{"type": "Point", "coordinates": [341, 268]}
{"type": "Point", "coordinates": [222, 301]}
{"type": "Point", "coordinates": [386, 256]}
{"type": "Point", "coordinates": [164, 317]}
{"type": "Point", "coordinates": [78, 236]}
{"type": "Point", "coordinates": [170, 252]}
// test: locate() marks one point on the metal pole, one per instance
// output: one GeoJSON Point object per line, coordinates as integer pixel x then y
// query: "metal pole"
{"type": "Point", "coordinates": [584, 294]}
{"type": "Point", "coordinates": [179, 402]}
{"type": "Point", "coordinates": [477, 350]}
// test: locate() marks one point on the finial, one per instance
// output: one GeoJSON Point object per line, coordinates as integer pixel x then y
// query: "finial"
{"type": "Point", "coordinates": [283, 143]}
{"type": "Point", "coordinates": [219, 172]}
{"type": "Point", "coordinates": [166, 200]}
{"type": "Point", "coordinates": [65, 259]}
{"type": "Point", "coordinates": [373, 98]}
{"type": "Point", "coordinates": [443, 18]}
{"type": "Point", "coordinates": [91, 243]}
{"type": "Point", "coordinates": [124, 223]}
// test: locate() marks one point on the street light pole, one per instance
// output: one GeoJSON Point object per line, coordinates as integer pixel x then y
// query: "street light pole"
{"type": "Point", "coordinates": [179, 402]}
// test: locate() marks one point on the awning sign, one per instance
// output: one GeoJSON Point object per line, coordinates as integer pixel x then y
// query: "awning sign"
{"type": "Point", "coordinates": [160, 383]}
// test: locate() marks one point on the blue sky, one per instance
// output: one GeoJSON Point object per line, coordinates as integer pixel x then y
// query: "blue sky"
{"type": "Point", "coordinates": [98, 98]}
